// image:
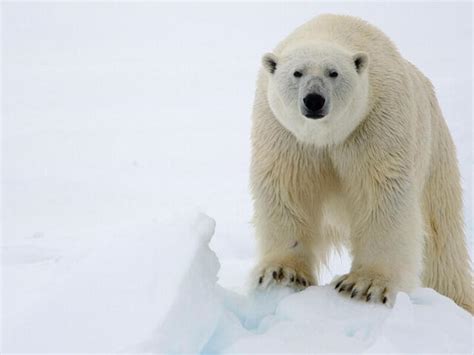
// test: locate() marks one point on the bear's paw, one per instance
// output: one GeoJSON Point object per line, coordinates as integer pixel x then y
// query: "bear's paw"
{"type": "Point", "coordinates": [283, 275]}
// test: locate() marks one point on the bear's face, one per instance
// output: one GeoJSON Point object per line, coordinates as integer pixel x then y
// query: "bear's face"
{"type": "Point", "coordinates": [318, 92]}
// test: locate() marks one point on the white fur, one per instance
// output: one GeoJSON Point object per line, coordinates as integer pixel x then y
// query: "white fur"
{"type": "Point", "coordinates": [380, 166]}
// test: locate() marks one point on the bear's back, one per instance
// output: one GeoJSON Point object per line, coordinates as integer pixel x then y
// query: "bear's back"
{"type": "Point", "coordinates": [350, 32]}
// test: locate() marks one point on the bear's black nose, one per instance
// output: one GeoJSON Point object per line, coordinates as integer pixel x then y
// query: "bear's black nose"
{"type": "Point", "coordinates": [314, 104]}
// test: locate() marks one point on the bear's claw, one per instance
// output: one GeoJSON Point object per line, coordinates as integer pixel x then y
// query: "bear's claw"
{"type": "Point", "coordinates": [366, 287]}
{"type": "Point", "coordinates": [283, 276]}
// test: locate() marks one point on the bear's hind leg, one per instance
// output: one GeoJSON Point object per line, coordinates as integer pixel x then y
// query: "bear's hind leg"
{"type": "Point", "coordinates": [447, 262]}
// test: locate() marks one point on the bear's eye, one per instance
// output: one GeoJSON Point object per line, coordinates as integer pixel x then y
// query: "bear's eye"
{"type": "Point", "coordinates": [333, 74]}
{"type": "Point", "coordinates": [297, 74]}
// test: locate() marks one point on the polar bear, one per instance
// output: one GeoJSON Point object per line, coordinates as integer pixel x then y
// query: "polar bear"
{"type": "Point", "coordinates": [349, 147]}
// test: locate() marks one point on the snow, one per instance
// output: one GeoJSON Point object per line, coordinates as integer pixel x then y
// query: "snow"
{"type": "Point", "coordinates": [102, 306]}
{"type": "Point", "coordinates": [120, 121]}
{"type": "Point", "coordinates": [108, 298]}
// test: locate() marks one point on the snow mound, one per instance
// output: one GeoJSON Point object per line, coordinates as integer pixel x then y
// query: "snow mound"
{"type": "Point", "coordinates": [315, 320]}
{"type": "Point", "coordinates": [155, 290]}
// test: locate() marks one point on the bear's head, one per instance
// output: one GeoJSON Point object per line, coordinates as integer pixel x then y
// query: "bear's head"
{"type": "Point", "coordinates": [318, 91]}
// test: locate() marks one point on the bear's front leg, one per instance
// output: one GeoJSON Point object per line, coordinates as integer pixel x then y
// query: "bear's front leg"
{"type": "Point", "coordinates": [286, 250]}
{"type": "Point", "coordinates": [386, 243]}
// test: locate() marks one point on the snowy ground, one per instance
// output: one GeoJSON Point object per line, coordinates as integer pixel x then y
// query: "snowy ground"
{"type": "Point", "coordinates": [118, 119]}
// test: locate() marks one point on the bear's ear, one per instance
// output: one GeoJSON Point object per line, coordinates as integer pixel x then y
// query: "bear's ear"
{"type": "Point", "coordinates": [361, 61]}
{"type": "Point", "coordinates": [269, 61]}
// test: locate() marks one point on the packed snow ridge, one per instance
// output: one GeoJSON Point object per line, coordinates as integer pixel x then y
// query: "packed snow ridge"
{"type": "Point", "coordinates": [156, 290]}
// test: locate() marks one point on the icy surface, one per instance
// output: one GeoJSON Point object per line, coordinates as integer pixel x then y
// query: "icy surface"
{"type": "Point", "coordinates": [142, 292]}
{"type": "Point", "coordinates": [117, 117]}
